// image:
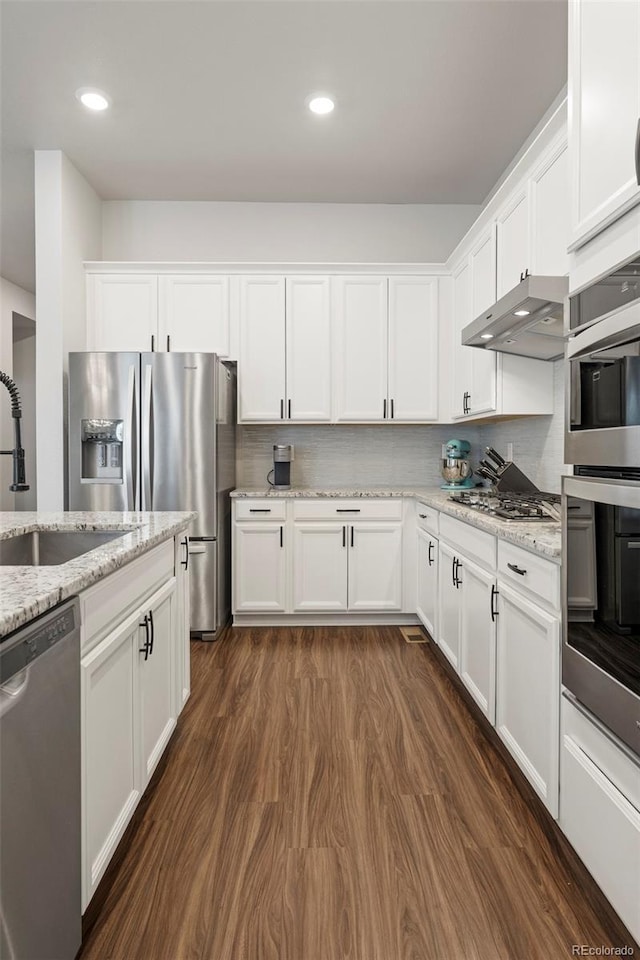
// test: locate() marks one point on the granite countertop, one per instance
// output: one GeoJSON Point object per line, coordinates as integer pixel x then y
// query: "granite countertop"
{"type": "Point", "coordinates": [542, 538]}
{"type": "Point", "coordinates": [28, 591]}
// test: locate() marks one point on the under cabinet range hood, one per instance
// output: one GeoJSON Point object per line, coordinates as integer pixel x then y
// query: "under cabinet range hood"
{"type": "Point", "coordinates": [527, 321]}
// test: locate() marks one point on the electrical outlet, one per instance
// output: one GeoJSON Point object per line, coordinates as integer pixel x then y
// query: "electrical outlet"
{"type": "Point", "coordinates": [510, 451]}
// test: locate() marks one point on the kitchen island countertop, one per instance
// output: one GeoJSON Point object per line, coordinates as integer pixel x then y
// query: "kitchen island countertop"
{"type": "Point", "coordinates": [542, 538]}
{"type": "Point", "coordinates": [28, 591]}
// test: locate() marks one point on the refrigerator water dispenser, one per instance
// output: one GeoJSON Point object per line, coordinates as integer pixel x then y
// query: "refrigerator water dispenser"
{"type": "Point", "coordinates": [101, 442]}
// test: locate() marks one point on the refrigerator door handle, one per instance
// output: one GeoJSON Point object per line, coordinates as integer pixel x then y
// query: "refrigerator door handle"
{"type": "Point", "coordinates": [147, 440]}
{"type": "Point", "coordinates": [130, 451]}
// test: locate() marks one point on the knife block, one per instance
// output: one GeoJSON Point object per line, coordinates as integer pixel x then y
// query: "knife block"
{"type": "Point", "coordinates": [511, 479]}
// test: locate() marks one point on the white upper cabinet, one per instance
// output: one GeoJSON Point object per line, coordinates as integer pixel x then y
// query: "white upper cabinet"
{"type": "Point", "coordinates": [413, 348]}
{"type": "Point", "coordinates": [549, 192]}
{"type": "Point", "coordinates": [482, 263]}
{"type": "Point", "coordinates": [360, 347]}
{"type": "Point", "coordinates": [512, 239]}
{"type": "Point", "coordinates": [122, 312]}
{"type": "Point", "coordinates": [194, 313]}
{"type": "Point", "coordinates": [261, 375]}
{"type": "Point", "coordinates": [180, 312]}
{"type": "Point", "coordinates": [285, 349]}
{"type": "Point", "coordinates": [308, 349]}
{"type": "Point", "coordinates": [604, 112]}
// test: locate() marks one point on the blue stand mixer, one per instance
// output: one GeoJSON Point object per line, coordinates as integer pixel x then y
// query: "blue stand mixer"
{"type": "Point", "coordinates": [456, 466]}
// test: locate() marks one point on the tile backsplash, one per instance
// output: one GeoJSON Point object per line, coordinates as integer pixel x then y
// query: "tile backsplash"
{"type": "Point", "coordinates": [344, 455]}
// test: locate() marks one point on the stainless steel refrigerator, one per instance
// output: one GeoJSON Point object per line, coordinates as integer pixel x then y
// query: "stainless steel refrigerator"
{"type": "Point", "coordinates": [156, 431]}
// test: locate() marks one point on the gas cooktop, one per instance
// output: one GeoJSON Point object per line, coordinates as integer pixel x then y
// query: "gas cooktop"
{"type": "Point", "coordinates": [523, 507]}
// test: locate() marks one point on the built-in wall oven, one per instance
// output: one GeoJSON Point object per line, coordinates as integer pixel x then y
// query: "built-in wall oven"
{"type": "Point", "coordinates": [603, 376]}
{"type": "Point", "coordinates": [601, 591]}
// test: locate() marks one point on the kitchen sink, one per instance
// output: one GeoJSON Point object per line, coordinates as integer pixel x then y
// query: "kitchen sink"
{"type": "Point", "coordinates": [43, 548]}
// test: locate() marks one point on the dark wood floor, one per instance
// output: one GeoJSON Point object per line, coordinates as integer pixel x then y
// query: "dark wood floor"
{"type": "Point", "coordinates": [328, 796]}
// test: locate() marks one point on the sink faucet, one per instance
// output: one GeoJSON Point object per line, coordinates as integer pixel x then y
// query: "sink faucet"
{"type": "Point", "coordinates": [19, 484]}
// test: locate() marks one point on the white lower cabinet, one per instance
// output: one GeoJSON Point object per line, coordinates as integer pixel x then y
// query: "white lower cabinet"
{"type": "Point", "coordinates": [182, 670]}
{"type": "Point", "coordinates": [320, 560]}
{"type": "Point", "coordinates": [478, 635]}
{"type": "Point", "coordinates": [130, 695]}
{"type": "Point", "coordinates": [528, 689]}
{"type": "Point", "coordinates": [111, 776]}
{"type": "Point", "coordinates": [259, 567]}
{"type": "Point", "coordinates": [600, 810]}
{"type": "Point", "coordinates": [375, 566]}
{"type": "Point", "coordinates": [449, 605]}
{"type": "Point", "coordinates": [427, 575]}
{"type": "Point", "coordinates": [157, 713]}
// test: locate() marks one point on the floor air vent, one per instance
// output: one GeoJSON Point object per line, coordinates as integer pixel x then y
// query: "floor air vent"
{"type": "Point", "coordinates": [414, 634]}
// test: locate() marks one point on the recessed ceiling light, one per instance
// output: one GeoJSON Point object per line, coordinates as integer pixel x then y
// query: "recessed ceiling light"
{"type": "Point", "coordinates": [320, 103]}
{"type": "Point", "coordinates": [522, 313]}
{"type": "Point", "coordinates": [92, 98]}
{"type": "Point", "coordinates": [486, 336]}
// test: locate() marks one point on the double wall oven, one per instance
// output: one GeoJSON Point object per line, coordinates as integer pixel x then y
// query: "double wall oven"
{"type": "Point", "coordinates": [601, 504]}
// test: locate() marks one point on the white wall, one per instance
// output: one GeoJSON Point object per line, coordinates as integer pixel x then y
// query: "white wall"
{"type": "Point", "coordinates": [24, 374]}
{"type": "Point", "coordinates": [68, 231]}
{"type": "Point", "coordinates": [13, 299]}
{"type": "Point", "coordinates": [293, 232]}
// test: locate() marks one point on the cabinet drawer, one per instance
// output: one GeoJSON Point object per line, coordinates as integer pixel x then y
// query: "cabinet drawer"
{"type": "Point", "coordinates": [427, 518]}
{"type": "Point", "coordinates": [108, 602]}
{"type": "Point", "coordinates": [604, 829]}
{"type": "Point", "coordinates": [261, 509]}
{"type": "Point", "coordinates": [578, 508]}
{"type": "Point", "coordinates": [530, 573]}
{"type": "Point", "coordinates": [360, 509]}
{"type": "Point", "coordinates": [473, 543]}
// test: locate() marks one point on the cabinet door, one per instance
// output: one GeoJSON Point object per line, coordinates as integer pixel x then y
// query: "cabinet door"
{"type": "Point", "coordinates": [111, 784]}
{"type": "Point", "coordinates": [194, 314]}
{"type": "Point", "coordinates": [449, 605]}
{"type": "Point", "coordinates": [375, 566]}
{"type": "Point", "coordinates": [512, 239]}
{"type": "Point", "coordinates": [482, 363]}
{"type": "Point", "coordinates": [360, 347]}
{"type": "Point", "coordinates": [261, 370]}
{"type": "Point", "coordinates": [478, 636]}
{"type": "Point", "coordinates": [182, 667]}
{"type": "Point", "coordinates": [308, 332]}
{"type": "Point", "coordinates": [461, 356]}
{"type": "Point", "coordinates": [413, 348]}
{"type": "Point", "coordinates": [259, 580]}
{"type": "Point", "coordinates": [604, 79]}
{"type": "Point", "coordinates": [528, 690]}
{"type": "Point", "coordinates": [157, 706]}
{"type": "Point", "coordinates": [320, 553]}
{"type": "Point", "coordinates": [122, 312]}
{"type": "Point", "coordinates": [550, 214]}
{"type": "Point", "coordinates": [427, 570]}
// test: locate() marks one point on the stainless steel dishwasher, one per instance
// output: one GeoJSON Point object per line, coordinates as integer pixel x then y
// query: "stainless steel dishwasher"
{"type": "Point", "coordinates": [40, 912]}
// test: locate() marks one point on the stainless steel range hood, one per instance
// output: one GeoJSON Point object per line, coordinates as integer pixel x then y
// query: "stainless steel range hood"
{"type": "Point", "coordinates": [527, 321]}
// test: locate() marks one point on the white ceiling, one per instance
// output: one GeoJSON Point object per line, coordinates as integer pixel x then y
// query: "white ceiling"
{"type": "Point", "coordinates": [434, 98]}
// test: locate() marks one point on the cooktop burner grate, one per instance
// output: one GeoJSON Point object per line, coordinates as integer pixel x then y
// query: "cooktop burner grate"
{"type": "Point", "coordinates": [530, 507]}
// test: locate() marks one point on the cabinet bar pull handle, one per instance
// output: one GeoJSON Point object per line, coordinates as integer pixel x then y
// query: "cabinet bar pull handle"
{"type": "Point", "coordinates": [259, 509]}
{"type": "Point", "coordinates": [351, 536]}
{"type": "Point", "coordinates": [145, 649]}
{"type": "Point", "coordinates": [344, 536]}
{"type": "Point", "coordinates": [453, 571]}
{"type": "Point", "coordinates": [153, 631]}
{"type": "Point", "coordinates": [422, 516]}
{"type": "Point", "coordinates": [573, 506]}
{"type": "Point", "coordinates": [429, 554]}
{"type": "Point", "coordinates": [282, 409]}
{"type": "Point", "coordinates": [350, 510]}
{"type": "Point", "coordinates": [168, 343]}
{"type": "Point", "coordinates": [392, 412]}
{"type": "Point", "coordinates": [456, 579]}
{"type": "Point", "coordinates": [289, 408]}
{"type": "Point", "coordinates": [185, 562]}
{"type": "Point", "coordinates": [282, 536]}
{"type": "Point", "coordinates": [153, 343]}
{"type": "Point", "coordinates": [516, 569]}
{"type": "Point", "coordinates": [384, 409]}
{"type": "Point", "coordinates": [494, 593]}
{"type": "Point", "coordinates": [638, 154]}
